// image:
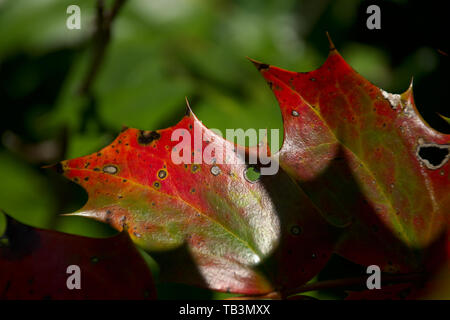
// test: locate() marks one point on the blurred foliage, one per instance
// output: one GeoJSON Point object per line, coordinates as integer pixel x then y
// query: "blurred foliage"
{"type": "Point", "coordinates": [162, 51]}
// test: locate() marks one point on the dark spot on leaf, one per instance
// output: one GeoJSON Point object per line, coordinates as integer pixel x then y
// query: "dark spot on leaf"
{"type": "Point", "coordinates": [96, 169]}
{"type": "Point", "coordinates": [111, 169]}
{"type": "Point", "coordinates": [162, 174]}
{"type": "Point", "coordinates": [312, 79]}
{"type": "Point", "coordinates": [87, 165]}
{"type": "Point", "coordinates": [156, 184]}
{"type": "Point", "coordinates": [94, 260]}
{"type": "Point", "coordinates": [296, 230]}
{"type": "Point", "coordinates": [86, 179]}
{"type": "Point", "coordinates": [99, 154]}
{"type": "Point", "coordinates": [58, 168]}
{"type": "Point", "coordinates": [263, 66]}
{"type": "Point", "coordinates": [215, 170]}
{"type": "Point", "coordinates": [146, 137]}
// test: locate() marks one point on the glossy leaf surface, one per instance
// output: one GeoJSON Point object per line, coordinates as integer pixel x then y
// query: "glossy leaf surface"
{"type": "Point", "coordinates": [205, 223]}
{"type": "Point", "coordinates": [366, 159]}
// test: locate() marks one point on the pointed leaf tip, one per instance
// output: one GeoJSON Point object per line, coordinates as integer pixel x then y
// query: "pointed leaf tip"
{"type": "Point", "coordinates": [259, 65]}
{"type": "Point", "coordinates": [408, 94]}
{"type": "Point", "coordinates": [57, 167]}
{"type": "Point", "coordinates": [330, 42]}
{"type": "Point", "coordinates": [188, 111]}
{"type": "Point", "coordinates": [411, 83]}
{"type": "Point", "coordinates": [446, 119]}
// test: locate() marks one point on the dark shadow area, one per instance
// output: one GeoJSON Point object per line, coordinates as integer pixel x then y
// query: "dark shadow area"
{"type": "Point", "coordinates": [29, 87]}
{"type": "Point", "coordinates": [361, 237]}
{"type": "Point", "coordinates": [175, 265]}
{"type": "Point", "coordinates": [406, 28]}
{"type": "Point", "coordinates": [411, 31]}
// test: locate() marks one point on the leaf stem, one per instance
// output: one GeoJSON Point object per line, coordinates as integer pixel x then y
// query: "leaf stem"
{"type": "Point", "coordinates": [101, 38]}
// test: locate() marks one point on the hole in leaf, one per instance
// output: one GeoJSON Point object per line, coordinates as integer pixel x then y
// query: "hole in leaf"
{"type": "Point", "coordinates": [433, 156]}
{"type": "Point", "coordinates": [252, 174]}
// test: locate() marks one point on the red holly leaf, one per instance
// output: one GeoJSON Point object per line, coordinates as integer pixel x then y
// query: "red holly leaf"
{"type": "Point", "coordinates": [354, 159]}
{"type": "Point", "coordinates": [366, 159]}
{"type": "Point", "coordinates": [206, 224]}
{"type": "Point", "coordinates": [34, 265]}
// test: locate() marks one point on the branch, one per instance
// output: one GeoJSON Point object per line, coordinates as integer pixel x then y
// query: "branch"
{"type": "Point", "coordinates": [102, 36]}
{"type": "Point", "coordinates": [352, 282]}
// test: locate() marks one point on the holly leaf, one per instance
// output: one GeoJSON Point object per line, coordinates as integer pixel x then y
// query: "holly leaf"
{"type": "Point", "coordinates": [205, 223]}
{"type": "Point", "coordinates": [361, 174]}
{"type": "Point", "coordinates": [34, 264]}
{"type": "Point", "coordinates": [366, 159]}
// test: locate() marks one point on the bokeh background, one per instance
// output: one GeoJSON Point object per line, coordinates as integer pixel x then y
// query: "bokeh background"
{"type": "Point", "coordinates": [163, 50]}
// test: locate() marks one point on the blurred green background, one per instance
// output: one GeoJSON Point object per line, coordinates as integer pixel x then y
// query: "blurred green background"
{"type": "Point", "coordinates": [164, 50]}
